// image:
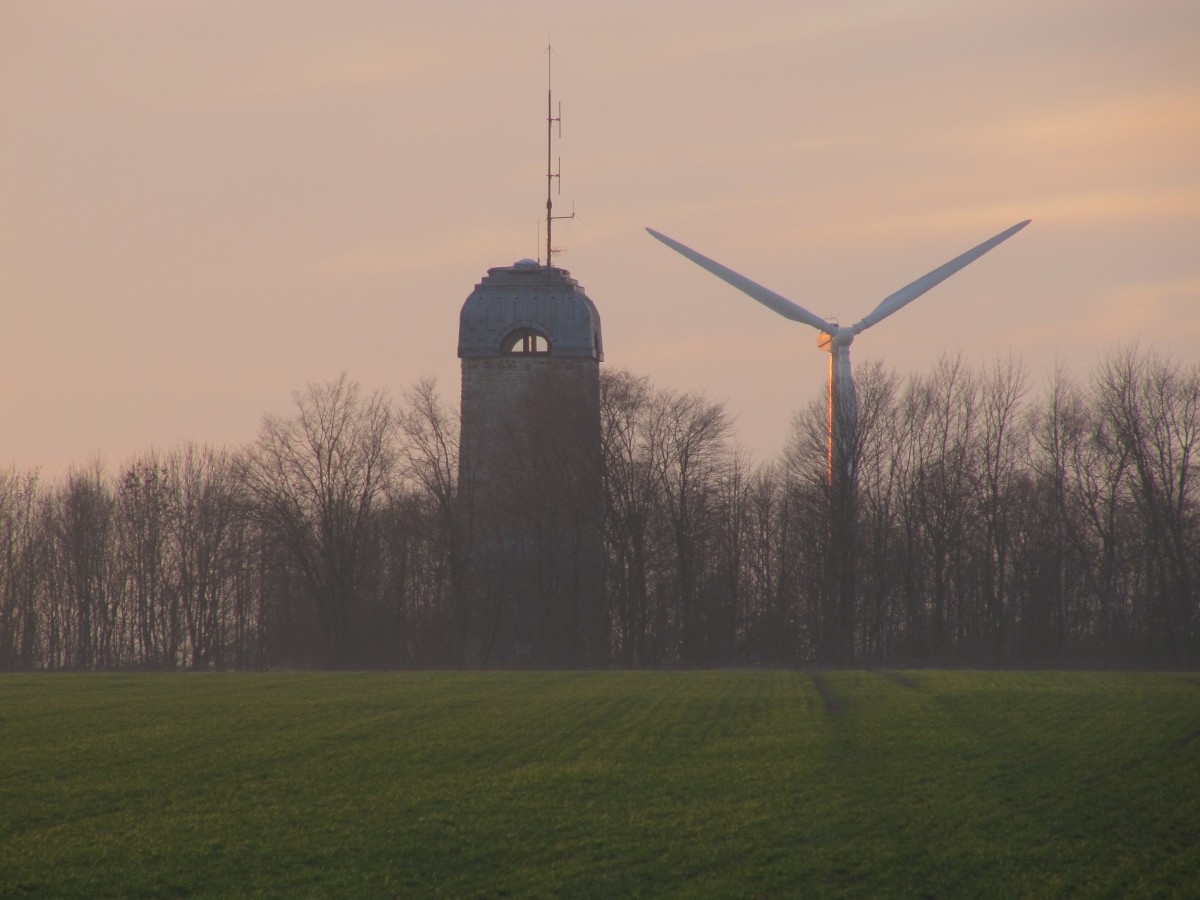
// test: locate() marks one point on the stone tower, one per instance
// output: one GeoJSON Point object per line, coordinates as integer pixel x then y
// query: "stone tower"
{"type": "Point", "coordinates": [530, 469]}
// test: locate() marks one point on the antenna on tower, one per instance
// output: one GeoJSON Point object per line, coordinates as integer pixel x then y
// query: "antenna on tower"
{"type": "Point", "coordinates": [551, 174]}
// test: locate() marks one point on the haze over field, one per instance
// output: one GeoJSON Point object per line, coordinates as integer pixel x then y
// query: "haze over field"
{"type": "Point", "coordinates": [205, 206]}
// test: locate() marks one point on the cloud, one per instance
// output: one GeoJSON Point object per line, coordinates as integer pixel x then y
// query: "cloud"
{"type": "Point", "coordinates": [365, 63]}
{"type": "Point", "coordinates": [1128, 206]}
{"type": "Point", "coordinates": [1128, 128]}
{"type": "Point", "coordinates": [402, 255]}
{"type": "Point", "coordinates": [1165, 310]}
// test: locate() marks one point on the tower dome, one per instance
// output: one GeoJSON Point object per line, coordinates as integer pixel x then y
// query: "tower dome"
{"type": "Point", "coordinates": [527, 308]}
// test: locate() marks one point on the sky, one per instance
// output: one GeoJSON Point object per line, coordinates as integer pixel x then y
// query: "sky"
{"type": "Point", "coordinates": [206, 205]}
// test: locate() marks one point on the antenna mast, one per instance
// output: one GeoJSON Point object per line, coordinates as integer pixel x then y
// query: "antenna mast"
{"type": "Point", "coordinates": [550, 173]}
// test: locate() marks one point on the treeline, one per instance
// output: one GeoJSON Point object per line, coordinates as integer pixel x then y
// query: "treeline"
{"type": "Point", "coordinates": [989, 528]}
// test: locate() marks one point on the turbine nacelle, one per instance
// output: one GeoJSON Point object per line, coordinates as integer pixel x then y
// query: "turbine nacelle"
{"type": "Point", "coordinates": [836, 338]}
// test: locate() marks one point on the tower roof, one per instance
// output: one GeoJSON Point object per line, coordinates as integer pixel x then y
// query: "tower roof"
{"type": "Point", "coordinates": [527, 296]}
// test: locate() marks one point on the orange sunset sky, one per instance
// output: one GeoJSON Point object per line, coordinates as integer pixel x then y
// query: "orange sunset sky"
{"type": "Point", "coordinates": [206, 205]}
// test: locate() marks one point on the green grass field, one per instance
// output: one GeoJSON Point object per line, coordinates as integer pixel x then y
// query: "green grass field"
{"type": "Point", "coordinates": [702, 784]}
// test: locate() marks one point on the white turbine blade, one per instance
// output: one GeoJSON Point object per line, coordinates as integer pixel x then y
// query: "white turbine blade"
{"type": "Point", "coordinates": [910, 293]}
{"type": "Point", "coordinates": [766, 297]}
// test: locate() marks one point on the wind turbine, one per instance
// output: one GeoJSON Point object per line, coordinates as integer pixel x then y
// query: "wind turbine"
{"type": "Point", "coordinates": [843, 410]}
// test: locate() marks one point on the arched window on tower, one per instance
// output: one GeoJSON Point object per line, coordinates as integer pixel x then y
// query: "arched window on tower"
{"type": "Point", "coordinates": [526, 342]}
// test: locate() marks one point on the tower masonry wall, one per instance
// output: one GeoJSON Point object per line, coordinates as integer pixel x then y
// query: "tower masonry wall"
{"type": "Point", "coordinates": [530, 478]}
{"type": "Point", "coordinates": [496, 395]}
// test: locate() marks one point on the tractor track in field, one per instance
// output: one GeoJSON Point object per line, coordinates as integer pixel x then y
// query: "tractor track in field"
{"type": "Point", "coordinates": [834, 705]}
{"type": "Point", "coordinates": [902, 680]}
{"type": "Point", "coordinates": [1189, 740]}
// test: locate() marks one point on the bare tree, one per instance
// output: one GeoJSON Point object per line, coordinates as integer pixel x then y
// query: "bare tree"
{"type": "Point", "coordinates": [22, 563]}
{"type": "Point", "coordinates": [809, 498]}
{"type": "Point", "coordinates": [82, 627]}
{"type": "Point", "coordinates": [873, 562]}
{"type": "Point", "coordinates": [725, 595]}
{"type": "Point", "coordinates": [630, 498]}
{"type": "Point", "coordinates": [938, 472]}
{"type": "Point", "coordinates": [1003, 448]}
{"type": "Point", "coordinates": [1153, 409]}
{"type": "Point", "coordinates": [315, 479]}
{"type": "Point", "coordinates": [204, 510]}
{"type": "Point", "coordinates": [1074, 598]}
{"type": "Point", "coordinates": [431, 464]}
{"type": "Point", "coordinates": [148, 589]}
{"type": "Point", "coordinates": [687, 446]}
{"type": "Point", "coordinates": [772, 629]}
